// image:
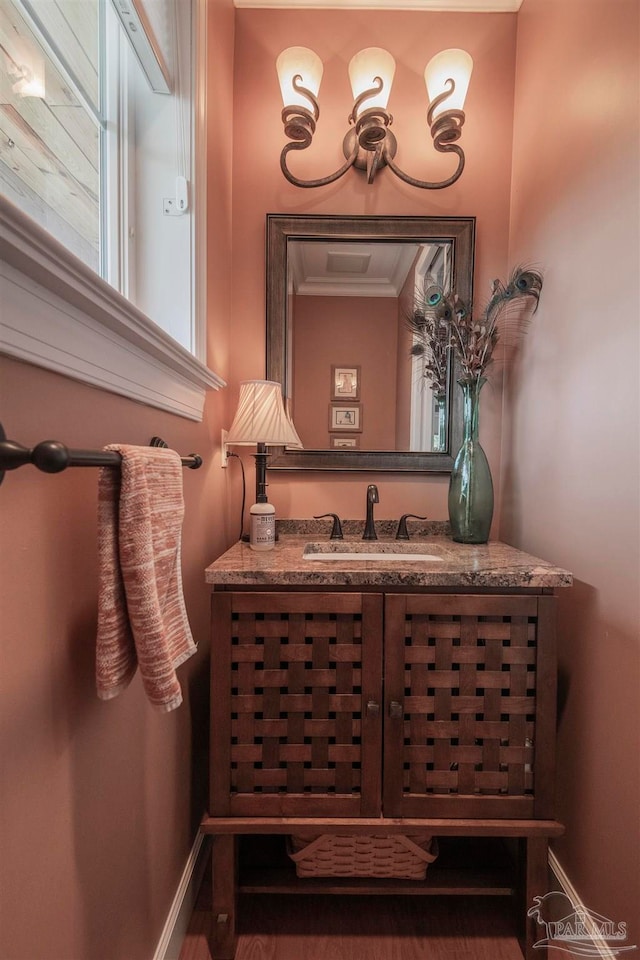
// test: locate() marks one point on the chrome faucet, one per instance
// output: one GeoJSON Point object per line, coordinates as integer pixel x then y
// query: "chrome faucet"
{"type": "Point", "coordinates": [370, 527]}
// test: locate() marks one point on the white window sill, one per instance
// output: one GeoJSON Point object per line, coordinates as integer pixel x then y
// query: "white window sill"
{"type": "Point", "coordinates": [57, 313]}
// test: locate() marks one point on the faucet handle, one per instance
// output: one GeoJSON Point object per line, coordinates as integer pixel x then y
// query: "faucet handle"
{"type": "Point", "coordinates": [402, 532]}
{"type": "Point", "coordinates": [336, 530]}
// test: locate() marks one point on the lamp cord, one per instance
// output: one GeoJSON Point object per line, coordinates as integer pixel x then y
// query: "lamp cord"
{"type": "Point", "coordinates": [244, 489]}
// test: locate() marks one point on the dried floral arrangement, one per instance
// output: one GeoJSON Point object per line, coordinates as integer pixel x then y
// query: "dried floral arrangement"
{"type": "Point", "coordinates": [441, 322]}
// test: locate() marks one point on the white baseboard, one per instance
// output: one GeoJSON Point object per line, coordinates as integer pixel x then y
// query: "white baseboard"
{"type": "Point", "coordinates": [568, 888]}
{"type": "Point", "coordinates": [177, 922]}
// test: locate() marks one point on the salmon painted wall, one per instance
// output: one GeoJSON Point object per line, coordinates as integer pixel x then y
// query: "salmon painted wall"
{"type": "Point", "coordinates": [571, 440]}
{"type": "Point", "coordinates": [101, 800]}
{"type": "Point", "coordinates": [345, 331]}
{"type": "Point", "coordinates": [260, 188]}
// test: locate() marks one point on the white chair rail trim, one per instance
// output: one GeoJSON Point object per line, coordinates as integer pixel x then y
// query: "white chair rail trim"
{"type": "Point", "coordinates": [57, 313]}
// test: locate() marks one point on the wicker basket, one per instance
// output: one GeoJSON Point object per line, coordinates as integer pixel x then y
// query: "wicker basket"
{"type": "Point", "coordinates": [331, 855]}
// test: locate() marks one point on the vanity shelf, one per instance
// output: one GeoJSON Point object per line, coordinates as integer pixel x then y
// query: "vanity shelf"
{"type": "Point", "coordinates": [493, 873]}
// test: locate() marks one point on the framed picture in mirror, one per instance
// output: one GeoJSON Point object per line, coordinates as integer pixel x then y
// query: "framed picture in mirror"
{"type": "Point", "coordinates": [339, 442]}
{"type": "Point", "coordinates": [345, 383]}
{"type": "Point", "coordinates": [345, 417]}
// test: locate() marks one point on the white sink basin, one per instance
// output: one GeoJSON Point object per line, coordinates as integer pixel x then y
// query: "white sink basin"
{"type": "Point", "coordinates": [370, 550]}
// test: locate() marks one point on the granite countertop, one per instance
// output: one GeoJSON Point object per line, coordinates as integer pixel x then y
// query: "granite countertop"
{"type": "Point", "coordinates": [492, 564]}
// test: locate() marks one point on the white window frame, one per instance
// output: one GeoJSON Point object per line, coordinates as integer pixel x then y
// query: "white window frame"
{"type": "Point", "coordinates": [56, 312]}
{"type": "Point", "coordinates": [421, 426]}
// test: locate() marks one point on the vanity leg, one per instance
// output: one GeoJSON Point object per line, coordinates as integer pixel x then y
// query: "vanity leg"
{"type": "Point", "coordinates": [534, 874]}
{"type": "Point", "coordinates": [224, 901]}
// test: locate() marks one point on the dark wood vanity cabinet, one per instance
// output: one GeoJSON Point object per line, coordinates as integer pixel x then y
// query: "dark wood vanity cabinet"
{"type": "Point", "coordinates": [296, 705]}
{"type": "Point", "coordinates": [469, 691]}
{"type": "Point", "coordinates": [382, 711]}
{"type": "Point", "coordinates": [395, 705]}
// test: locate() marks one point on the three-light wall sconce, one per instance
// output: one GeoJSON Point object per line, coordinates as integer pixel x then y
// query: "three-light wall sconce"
{"type": "Point", "coordinates": [369, 143]}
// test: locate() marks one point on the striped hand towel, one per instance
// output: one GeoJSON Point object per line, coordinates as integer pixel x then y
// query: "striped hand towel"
{"type": "Point", "coordinates": [142, 620]}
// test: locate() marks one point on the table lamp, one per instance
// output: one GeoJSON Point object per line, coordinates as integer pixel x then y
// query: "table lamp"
{"type": "Point", "coordinates": [261, 420]}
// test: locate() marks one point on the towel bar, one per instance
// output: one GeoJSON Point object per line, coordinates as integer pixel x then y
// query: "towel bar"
{"type": "Point", "coordinates": [51, 456]}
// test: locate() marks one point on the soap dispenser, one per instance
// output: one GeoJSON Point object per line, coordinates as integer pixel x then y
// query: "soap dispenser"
{"type": "Point", "coordinates": [262, 524]}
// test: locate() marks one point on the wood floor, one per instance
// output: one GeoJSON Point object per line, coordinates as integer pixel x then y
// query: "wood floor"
{"type": "Point", "coordinates": [363, 928]}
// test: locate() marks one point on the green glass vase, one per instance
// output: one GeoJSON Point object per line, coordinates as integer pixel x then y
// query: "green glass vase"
{"type": "Point", "coordinates": [470, 486]}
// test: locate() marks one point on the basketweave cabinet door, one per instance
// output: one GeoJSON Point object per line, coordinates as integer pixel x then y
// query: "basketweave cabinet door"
{"type": "Point", "coordinates": [470, 690]}
{"type": "Point", "coordinates": [296, 694]}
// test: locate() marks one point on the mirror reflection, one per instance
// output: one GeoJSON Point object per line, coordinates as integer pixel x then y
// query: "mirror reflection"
{"type": "Point", "coordinates": [351, 345]}
{"type": "Point", "coordinates": [339, 292]}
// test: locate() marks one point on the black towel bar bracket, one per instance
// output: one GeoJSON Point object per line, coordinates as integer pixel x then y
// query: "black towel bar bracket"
{"type": "Point", "coordinates": [51, 456]}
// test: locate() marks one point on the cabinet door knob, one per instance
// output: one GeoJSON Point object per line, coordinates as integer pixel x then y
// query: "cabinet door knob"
{"type": "Point", "coordinates": [396, 711]}
{"type": "Point", "coordinates": [373, 708]}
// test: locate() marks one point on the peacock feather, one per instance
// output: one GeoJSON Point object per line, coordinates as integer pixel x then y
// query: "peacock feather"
{"type": "Point", "coordinates": [505, 315]}
{"type": "Point", "coordinates": [430, 322]}
{"type": "Point", "coordinates": [441, 322]}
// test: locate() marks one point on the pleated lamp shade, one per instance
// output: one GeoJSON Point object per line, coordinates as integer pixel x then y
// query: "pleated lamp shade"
{"type": "Point", "coordinates": [261, 417]}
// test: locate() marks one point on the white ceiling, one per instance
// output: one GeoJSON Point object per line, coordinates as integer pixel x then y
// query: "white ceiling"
{"type": "Point", "coordinates": [457, 6]}
{"type": "Point", "coordinates": [342, 269]}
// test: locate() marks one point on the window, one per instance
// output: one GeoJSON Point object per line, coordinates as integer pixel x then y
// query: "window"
{"type": "Point", "coordinates": [52, 118]}
{"type": "Point", "coordinates": [97, 149]}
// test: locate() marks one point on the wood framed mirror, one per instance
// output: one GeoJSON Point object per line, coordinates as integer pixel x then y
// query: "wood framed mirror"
{"type": "Point", "coordinates": [338, 289]}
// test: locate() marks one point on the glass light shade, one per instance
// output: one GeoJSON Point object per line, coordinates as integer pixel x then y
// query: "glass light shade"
{"type": "Point", "coordinates": [364, 68]}
{"type": "Point", "coordinates": [261, 417]}
{"type": "Point", "coordinates": [448, 64]}
{"type": "Point", "coordinates": [298, 61]}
